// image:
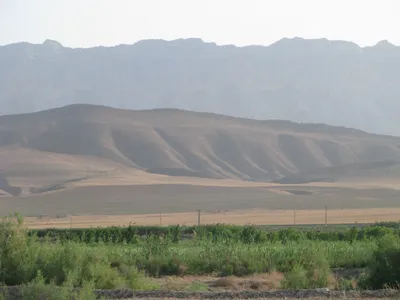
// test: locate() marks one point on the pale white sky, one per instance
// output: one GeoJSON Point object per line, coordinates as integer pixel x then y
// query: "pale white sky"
{"type": "Point", "coordinates": [87, 23]}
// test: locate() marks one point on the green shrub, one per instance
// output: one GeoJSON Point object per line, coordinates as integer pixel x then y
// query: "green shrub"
{"type": "Point", "coordinates": [295, 279]}
{"type": "Point", "coordinates": [43, 266]}
{"type": "Point", "coordinates": [136, 280]}
{"type": "Point", "coordinates": [310, 270]}
{"type": "Point", "coordinates": [18, 253]}
{"type": "Point", "coordinates": [384, 269]}
{"type": "Point", "coordinates": [38, 289]}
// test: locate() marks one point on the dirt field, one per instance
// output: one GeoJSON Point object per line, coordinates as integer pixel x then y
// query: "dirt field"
{"type": "Point", "coordinates": [255, 217]}
{"type": "Point", "coordinates": [175, 198]}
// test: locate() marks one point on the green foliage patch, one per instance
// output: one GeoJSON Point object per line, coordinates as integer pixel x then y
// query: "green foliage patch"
{"type": "Point", "coordinates": [110, 258]}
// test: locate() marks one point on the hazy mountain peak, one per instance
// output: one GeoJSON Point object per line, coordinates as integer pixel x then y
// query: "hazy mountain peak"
{"type": "Point", "coordinates": [322, 46]}
{"type": "Point", "coordinates": [189, 41]}
{"type": "Point", "coordinates": [301, 41]}
{"type": "Point", "coordinates": [385, 44]}
{"type": "Point", "coordinates": [52, 43]}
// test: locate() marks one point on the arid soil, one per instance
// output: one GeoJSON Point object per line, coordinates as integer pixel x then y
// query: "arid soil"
{"type": "Point", "coordinates": [255, 217]}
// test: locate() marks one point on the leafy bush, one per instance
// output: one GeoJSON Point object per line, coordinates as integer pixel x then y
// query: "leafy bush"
{"type": "Point", "coordinates": [310, 270]}
{"type": "Point", "coordinates": [22, 258]}
{"type": "Point", "coordinates": [384, 269]}
{"type": "Point", "coordinates": [295, 279]}
{"type": "Point", "coordinates": [38, 289]}
{"type": "Point", "coordinates": [18, 253]}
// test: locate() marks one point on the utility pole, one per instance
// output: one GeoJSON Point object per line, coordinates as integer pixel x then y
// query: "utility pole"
{"type": "Point", "coordinates": [326, 215]}
{"type": "Point", "coordinates": [198, 217]}
{"type": "Point", "coordinates": [294, 216]}
{"type": "Point", "coordinates": [160, 218]}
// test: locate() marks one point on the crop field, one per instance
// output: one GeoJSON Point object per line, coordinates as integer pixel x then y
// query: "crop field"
{"type": "Point", "coordinates": [198, 258]}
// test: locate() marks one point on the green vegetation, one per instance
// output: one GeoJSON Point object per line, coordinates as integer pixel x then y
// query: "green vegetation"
{"type": "Point", "coordinates": [39, 289]}
{"type": "Point", "coordinates": [66, 259]}
{"type": "Point", "coordinates": [216, 233]}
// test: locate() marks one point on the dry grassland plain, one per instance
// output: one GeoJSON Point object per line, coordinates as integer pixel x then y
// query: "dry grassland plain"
{"type": "Point", "coordinates": [220, 201]}
{"type": "Point", "coordinates": [254, 217]}
{"type": "Point", "coordinates": [178, 198]}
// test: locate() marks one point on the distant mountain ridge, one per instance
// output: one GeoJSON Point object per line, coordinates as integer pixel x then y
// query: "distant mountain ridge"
{"type": "Point", "coordinates": [312, 81]}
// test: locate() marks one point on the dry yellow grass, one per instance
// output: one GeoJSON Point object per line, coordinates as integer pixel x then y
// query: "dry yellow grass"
{"type": "Point", "coordinates": [255, 217]}
{"type": "Point", "coordinates": [137, 199]}
{"type": "Point", "coordinates": [264, 282]}
{"type": "Point", "coordinates": [124, 176]}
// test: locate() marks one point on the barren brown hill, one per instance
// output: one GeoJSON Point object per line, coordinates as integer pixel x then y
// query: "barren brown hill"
{"type": "Point", "coordinates": [87, 140]}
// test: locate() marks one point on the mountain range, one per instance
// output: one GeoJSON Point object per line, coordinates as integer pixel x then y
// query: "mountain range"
{"type": "Point", "coordinates": [308, 81]}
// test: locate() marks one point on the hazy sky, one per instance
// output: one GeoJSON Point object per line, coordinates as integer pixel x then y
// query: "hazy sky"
{"type": "Point", "coordinates": [86, 23]}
